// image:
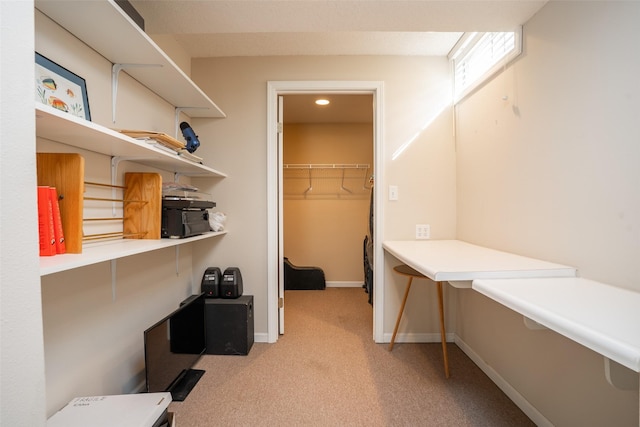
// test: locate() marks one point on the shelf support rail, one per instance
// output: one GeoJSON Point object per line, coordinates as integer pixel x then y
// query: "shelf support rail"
{"type": "Point", "coordinates": [115, 162]}
{"type": "Point", "coordinates": [177, 260]}
{"type": "Point", "coordinates": [113, 280]}
{"type": "Point", "coordinates": [115, 71]}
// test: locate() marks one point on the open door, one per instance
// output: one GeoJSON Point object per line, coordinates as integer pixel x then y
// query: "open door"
{"type": "Point", "coordinates": [280, 219]}
{"type": "Point", "coordinates": [275, 252]}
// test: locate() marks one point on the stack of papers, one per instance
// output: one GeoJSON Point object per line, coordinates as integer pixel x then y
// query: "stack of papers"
{"type": "Point", "coordinates": [164, 142]}
{"type": "Point", "coordinates": [159, 137]}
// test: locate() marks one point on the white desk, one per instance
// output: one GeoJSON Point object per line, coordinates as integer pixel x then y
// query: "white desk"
{"type": "Point", "coordinates": [459, 263]}
{"type": "Point", "coordinates": [601, 317]}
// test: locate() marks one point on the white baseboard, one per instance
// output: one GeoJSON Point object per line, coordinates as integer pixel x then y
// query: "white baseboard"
{"type": "Point", "coordinates": [261, 337]}
{"type": "Point", "coordinates": [344, 284]}
{"type": "Point", "coordinates": [507, 388]}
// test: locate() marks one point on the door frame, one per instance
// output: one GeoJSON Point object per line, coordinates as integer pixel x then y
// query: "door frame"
{"type": "Point", "coordinates": [274, 192]}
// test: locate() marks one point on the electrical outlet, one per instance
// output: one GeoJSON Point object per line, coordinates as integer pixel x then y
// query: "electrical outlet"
{"type": "Point", "coordinates": [423, 231]}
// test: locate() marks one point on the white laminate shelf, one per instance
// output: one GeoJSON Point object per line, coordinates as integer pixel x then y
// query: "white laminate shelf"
{"type": "Point", "coordinates": [94, 253]}
{"type": "Point", "coordinates": [599, 316]}
{"type": "Point", "coordinates": [67, 129]}
{"type": "Point", "coordinates": [106, 28]}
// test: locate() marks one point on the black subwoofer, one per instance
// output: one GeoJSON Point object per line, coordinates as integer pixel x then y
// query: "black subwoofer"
{"type": "Point", "coordinates": [229, 325]}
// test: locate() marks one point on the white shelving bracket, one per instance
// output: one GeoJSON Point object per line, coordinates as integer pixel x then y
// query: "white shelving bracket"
{"type": "Point", "coordinates": [533, 325]}
{"type": "Point", "coordinates": [115, 161]}
{"type": "Point", "coordinates": [620, 376]}
{"type": "Point", "coordinates": [113, 279]}
{"type": "Point", "coordinates": [115, 72]}
{"type": "Point", "coordinates": [180, 110]}
{"type": "Point", "coordinates": [177, 260]}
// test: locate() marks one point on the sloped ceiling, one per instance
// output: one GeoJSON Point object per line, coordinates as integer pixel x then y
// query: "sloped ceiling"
{"type": "Point", "coordinates": [211, 28]}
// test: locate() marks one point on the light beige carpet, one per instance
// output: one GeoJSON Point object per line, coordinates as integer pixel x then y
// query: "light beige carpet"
{"type": "Point", "coordinates": [327, 371]}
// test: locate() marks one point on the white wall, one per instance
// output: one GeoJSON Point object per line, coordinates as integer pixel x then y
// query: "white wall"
{"type": "Point", "coordinates": [416, 93]}
{"type": "Point", "coordinates": [553, 173]}
{"type": "Point", "coordinates": [22, 390]}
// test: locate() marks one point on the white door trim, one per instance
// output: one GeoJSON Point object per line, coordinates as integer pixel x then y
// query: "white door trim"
{"type": "Point", "coordinates": [274, 265]}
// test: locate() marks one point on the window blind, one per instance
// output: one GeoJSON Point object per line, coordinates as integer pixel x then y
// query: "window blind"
{"type": "Point", "coordinates": [479, 55]}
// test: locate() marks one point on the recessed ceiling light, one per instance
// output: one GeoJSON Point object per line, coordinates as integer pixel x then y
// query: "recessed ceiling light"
{"type": "Point", "coordinates": [322, 101]}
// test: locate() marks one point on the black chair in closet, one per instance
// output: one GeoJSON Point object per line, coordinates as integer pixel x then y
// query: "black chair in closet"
{"type": "Point", "coordinates": [302, 278]}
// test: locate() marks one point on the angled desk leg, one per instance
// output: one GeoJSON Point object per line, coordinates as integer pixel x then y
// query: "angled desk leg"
{"type": "Point", "coordinates": [404, 301]}
{"type": "Point", "coordinates": [443, 335]}
{"type": "Point", "coordinates": [411, 273]}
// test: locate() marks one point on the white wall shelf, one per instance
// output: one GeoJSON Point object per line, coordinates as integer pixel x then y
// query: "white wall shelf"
{"type": "Point", "coordinates": [94, 253]}
{"type": "Point", "coordinates": [67, 129]}
{"type": "Point", "coordinates": [601, 317]}
{"type": "Point", "coordinates": [108, 30]}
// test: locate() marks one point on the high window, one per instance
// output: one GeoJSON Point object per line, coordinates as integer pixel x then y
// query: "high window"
{"type": "Point", "coordinates": [477, 56]}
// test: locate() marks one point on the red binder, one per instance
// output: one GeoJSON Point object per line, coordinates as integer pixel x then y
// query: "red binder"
{"type": "Point", "coordinates": [45, 222]}
{"type": "Point", "coordinates": [57, 222]}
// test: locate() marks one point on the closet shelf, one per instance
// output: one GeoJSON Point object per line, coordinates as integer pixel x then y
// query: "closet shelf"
{"type": "Point", "coordinates": [316, 179]}
{"type": "Point", "coordinates": [327, 166]}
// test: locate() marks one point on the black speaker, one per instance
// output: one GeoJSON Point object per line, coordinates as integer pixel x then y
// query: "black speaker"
{"type": "Point", "coordinates": [229, 325]}
{"type": "Point", "coordinates": [231, 284]}
{"type": "Point", "coordinates": [210, 284]}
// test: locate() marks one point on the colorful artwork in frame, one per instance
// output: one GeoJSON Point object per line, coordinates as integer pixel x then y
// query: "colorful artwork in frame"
{"type": "Point", "coordinates": [60, 88]}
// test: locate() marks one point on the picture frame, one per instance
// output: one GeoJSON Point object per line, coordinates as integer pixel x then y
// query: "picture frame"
{"type": "Point", "coordinates": [60, 88]}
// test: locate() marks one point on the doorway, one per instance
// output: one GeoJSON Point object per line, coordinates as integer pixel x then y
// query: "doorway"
{"type": "Point", "coordinates": [327, 170]}
{"type": "Point", "coordinates": [275, 284]}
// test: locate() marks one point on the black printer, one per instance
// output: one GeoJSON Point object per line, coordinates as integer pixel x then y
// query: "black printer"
{"type": "Point", "coordinates": [184, 216]}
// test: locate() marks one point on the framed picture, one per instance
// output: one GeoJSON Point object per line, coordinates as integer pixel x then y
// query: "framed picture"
{"type": "Point", "coordinates": [60, 88]}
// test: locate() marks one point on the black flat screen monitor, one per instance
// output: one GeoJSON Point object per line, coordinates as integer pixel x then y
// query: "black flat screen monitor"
{"type": "Point", "coordinates": [172, 346]}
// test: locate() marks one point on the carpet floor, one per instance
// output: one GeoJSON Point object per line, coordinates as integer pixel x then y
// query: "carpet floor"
{"type": "Point", "coordinates": [327, 371]}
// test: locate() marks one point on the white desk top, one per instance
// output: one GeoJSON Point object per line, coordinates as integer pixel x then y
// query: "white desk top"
{"type": "Point", "coordinates": [455, 261]}
{"type": "Point", "coordinates": [601, 317]}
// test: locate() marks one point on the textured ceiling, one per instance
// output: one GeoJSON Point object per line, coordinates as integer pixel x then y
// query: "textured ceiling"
{"type": "Point", "coordinates": [219, 28]}
{"type": "Point", "coordinates": [210, 28]}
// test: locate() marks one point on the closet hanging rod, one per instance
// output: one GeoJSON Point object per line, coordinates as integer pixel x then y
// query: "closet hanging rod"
{"type": "Point", "coordinates": [326, 166]}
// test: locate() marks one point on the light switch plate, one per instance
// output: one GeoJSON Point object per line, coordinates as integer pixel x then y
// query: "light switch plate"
{"type": "Point", "coordinates": [393, 192]}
